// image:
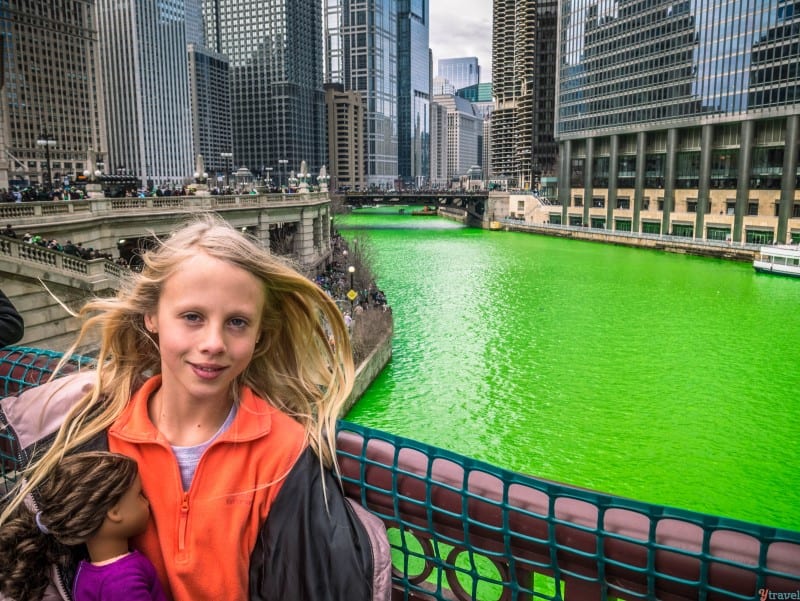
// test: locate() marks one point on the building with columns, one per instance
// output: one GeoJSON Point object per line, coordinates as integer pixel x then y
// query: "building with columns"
{"type": "Point", "coordinates": [345, 137]}
{"type": "Point", "coordinates": [680, 118]}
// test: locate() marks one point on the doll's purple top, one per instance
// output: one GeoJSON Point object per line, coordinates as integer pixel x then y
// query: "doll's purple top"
{"type": "Point", "coordinates": [130, 578]}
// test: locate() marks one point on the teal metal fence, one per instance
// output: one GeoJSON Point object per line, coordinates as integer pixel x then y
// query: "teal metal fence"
{"type": "Point", "coordinates": [464, 529]}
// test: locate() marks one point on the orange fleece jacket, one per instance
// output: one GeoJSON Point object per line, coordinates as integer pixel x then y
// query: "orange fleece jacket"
{"type": "Point", "coordinates": [200, 541]}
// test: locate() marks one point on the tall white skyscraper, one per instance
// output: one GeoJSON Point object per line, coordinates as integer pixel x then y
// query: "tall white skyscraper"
{"type": "Point", "coordinates": [145, 76]}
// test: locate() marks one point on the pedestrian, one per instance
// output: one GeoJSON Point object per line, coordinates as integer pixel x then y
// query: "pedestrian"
{"type": "Point", "coordinates": [9, 231]}
{"type": "Point", "coordinates": [12, 326]}
{"type": "Point", "coordinates": [93, 499]}
{"type": "Point", "coordinates": [215, 374]}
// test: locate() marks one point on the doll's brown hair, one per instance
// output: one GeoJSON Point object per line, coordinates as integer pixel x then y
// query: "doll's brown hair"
{"type": "Point", "coordinates": [71, 504]}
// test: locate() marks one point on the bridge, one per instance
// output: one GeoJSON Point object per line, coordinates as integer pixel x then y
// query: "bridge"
{"type": "Point", "coordinates": [293, 225]}
{"type": "Point", "coordinates": [471, 205]}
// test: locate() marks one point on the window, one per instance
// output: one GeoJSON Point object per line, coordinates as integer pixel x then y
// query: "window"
{"type": "Point", "coordinates": [691, 206]}
{"type": "Point", "coordinates": [646, 203]}
{"type": "Point", "coordinates": [660, 204]}
{"type": "Point", "coordinates": [651, 227]}
{"type": "Point", "coordinates": [598, 202]}
{"type": "Point", "coordinates": [577, 201]}
{"type": "Point", "coordinates": [730, 207]}
{"type": "Point", "coordinates": [624, 202]}
{"type": "Point", "coordinates": [752, 208]}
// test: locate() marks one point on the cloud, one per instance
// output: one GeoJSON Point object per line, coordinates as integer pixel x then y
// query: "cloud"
{"type": "Point", "coordinates": [462, 28]}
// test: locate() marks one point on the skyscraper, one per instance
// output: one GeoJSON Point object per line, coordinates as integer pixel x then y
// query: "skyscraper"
{"type": "Point", "coordinates": [361, 44]}
{"type": "Point", "coordinates": [460, 72]}
{"type": "Point", "coordinates": [414, 91]}
{"type": "Point", "coordinates": [145, 75]}
{"type": "Point", "coordinates": [52, 91]}
{"type": "Point", "coordinates": [681, 119]}
{"type": "Point", "coordinates": [277, 100]}
{"type": "Point", "coordinates": [523, 81]}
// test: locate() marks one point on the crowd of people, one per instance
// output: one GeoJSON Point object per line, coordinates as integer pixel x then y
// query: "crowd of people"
{"type": "Point", "coordinates": [68, 247]}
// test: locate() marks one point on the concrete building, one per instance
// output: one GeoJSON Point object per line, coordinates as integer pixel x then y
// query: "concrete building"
{"type": "Point", "coordinates": [147, 106]}
{"type": "Point", "coordinates": [523, 80]}
{"type": "Point", "coordinates": [461, 72]}
{"type": "Point", "coordinates": [363, 58]}
{"type": "Point", "coordinates": [439, 177]}
{"type": "Point", "coordinates": [345, 137]}
{"type": "Point", "coordinates": [413, 92]}
{"type": "Point", "coordinates": [209, 85]}
{"type": "Point", "coordinates": [277, 99]}
{"type": "Point", "coordinates": [464, 135]}
{"type": "Point", "coordinates": [442, 86]}
{"type": "Point", "coordinates": [52, 93]}
{"type": "Point", "coordinates": [680, 119]}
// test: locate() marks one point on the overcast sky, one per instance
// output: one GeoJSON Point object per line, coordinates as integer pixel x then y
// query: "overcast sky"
{"type": "Point", "coordinates": [462, 28]}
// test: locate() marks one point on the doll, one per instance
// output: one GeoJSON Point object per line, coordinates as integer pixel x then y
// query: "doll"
{"type": "Point", "coordinates": [92, 502]}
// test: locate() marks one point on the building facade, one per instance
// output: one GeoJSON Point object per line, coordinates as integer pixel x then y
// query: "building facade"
{"type": "Point", "coordinates": [464, 136]}
{"type": "Point", "coordinates": [51, 114]}
{"type": "Point", "coordinates": [361, 54]}
{"type": "Point", "coordinates": [209, 85]}
{"type": "Point", "coordinates": [681, 119]}
{"type": "Point", "coordinates": [460, 72]}
{"type": "Point", "coordinates": [277, 99]}
{"type": "Point", "coordinates": [345, 137]}
{"type": "Point", "coordinates": [439, 177]}
{"type": "Point", "coordinates": [413, 92]}
{"type": "Point", "coordinates": [146, 82]}
{"type": "Point", "coordinates": [524, 36]}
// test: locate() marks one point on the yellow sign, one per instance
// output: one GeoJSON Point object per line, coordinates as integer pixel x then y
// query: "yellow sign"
{"type": "Point", "coordinates": [352, 295]}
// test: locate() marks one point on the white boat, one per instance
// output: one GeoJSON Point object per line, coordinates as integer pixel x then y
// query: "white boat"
{"type": "Point", "coordinates": [782, 258]}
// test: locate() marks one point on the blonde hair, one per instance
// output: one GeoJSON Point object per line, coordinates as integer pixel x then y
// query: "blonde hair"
{"type": "Point", "coordinates": [294, 366]}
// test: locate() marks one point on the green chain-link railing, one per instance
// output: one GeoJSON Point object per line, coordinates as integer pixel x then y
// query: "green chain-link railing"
{"type": "Point", "coordinates": [464, 529]}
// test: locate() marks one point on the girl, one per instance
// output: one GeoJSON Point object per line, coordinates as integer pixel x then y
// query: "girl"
{"type": "Point", "coordinates": [89, 498]}
{"type": "Point", "coordinates": [215, 374]}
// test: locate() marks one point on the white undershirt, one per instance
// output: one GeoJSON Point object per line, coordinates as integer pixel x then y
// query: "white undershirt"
{"type": "Point", "coordinates": [189, 457]}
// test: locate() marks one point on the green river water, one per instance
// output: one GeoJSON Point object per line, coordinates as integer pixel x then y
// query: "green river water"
{"type": "Point", "coordinates": [665, 378]}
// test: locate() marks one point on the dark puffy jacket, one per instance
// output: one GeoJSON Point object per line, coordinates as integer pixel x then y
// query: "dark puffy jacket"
{"type": "Point", "coordinates": [306, 550]}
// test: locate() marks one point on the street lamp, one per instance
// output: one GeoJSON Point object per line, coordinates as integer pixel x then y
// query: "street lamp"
{"type": "Point", "coordinates": [228, 156]}
{"type": "Point", "coordinates": [47, 141]}
{"type": "Point", "coordinates": [282, 163]}
{"type": "Point", "coordinates": [351, 294]}
{"type": "Point", "coordinates": [269, 178]}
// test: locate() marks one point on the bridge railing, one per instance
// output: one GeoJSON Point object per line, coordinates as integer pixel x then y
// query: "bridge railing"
{"type": "Point", "coordinates": [464, 529]}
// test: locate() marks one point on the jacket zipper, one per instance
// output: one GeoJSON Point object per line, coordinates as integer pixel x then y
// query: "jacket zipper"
{"type": "Point", "coordinates": [184, 518]}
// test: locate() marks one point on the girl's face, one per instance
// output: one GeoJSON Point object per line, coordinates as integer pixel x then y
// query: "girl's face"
{"type": "Point", "coordinates": [208, 322]}
{"type": "Point", "coordinates": [133, 510]}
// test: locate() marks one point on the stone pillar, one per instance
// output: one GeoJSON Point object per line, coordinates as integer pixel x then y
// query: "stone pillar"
{"type": "Point", "coordinates": [638, 192]}
{"type": "Point", "coordinates": [612, 181]}
{"type": "Point", "coordinates": [743, 185]}
{"type": "Point", "coordinates": [788, 179]}
{"type": "Point", "coordinates": [588, 176]}
{"type": "Point", "coordinates": [304, 243]}
{"type": "Point", "coordinates": [704, 183]}
{"type": "Point", "coordinates": [564, 184]}
{"type": "Point", "coordinates": [669, 179]}
{"type": "Point", "coordinates": [262, 229]}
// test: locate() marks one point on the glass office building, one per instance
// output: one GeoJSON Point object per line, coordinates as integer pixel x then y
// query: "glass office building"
{"type": "Point", "coordinates": [460, 72]}
{"type": "Point", "coordinates": [680, 117]}
{"type": "Point", "coordinates": [361, 54]}
{"type": "Point", "coordinates": [413, 92]}
{"type": "Point", "coordinates": [277, 100]}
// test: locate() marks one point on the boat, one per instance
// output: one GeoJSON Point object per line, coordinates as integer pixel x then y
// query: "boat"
{"type": "Point", "coordinates": [427, 211]}
{"type": "Point", "coordinates": [781, 258]}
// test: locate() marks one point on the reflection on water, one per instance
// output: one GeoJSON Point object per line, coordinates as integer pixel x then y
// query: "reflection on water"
{"type": "Point", "coordinates": [666, 378]}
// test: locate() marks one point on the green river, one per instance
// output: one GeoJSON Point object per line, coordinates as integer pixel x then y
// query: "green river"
{"type": "Point", "coordinates": [665, 378]}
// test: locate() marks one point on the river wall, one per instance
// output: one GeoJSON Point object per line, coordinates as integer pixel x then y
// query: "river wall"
{"type": "Point", "coordinates": [369, 370]}
{"type": "Point", "coordinates": [674, 244]}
